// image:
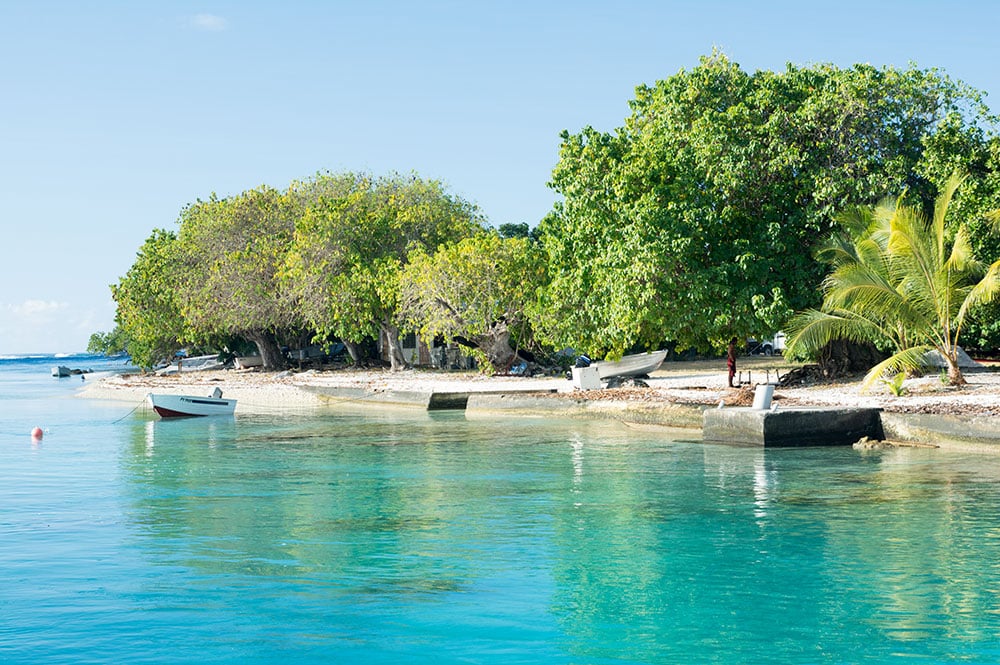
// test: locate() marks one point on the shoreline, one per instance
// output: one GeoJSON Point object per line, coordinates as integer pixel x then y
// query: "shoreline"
{"type": "Point", "coordinates": [678, 393]}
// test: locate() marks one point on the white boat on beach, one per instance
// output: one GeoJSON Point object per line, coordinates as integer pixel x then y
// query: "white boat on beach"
{"type": "Point", "coordinates": [184, 406]}
{"type": "Point", "coordinates": [634, 365]}
{"type": "Point", "coordinates": [195, 364]}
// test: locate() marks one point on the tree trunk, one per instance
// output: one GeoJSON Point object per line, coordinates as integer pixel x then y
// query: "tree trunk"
{"type": "Point", "coordinates": [270, 352]}
{"type": "Point", "coordinates": [396, 360]}
{"type": "Point", "coordinates": [496, 346]}
{"type": "Point", "coordinates": [955, 377]}
{"type": "Point", "coordinates": [353, 352]}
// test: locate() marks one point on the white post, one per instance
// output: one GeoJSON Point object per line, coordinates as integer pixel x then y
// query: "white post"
{"type": "Point", "coordinates": [762, 396]}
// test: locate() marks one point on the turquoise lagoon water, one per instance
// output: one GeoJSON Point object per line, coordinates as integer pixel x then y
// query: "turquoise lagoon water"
{"type": "Point", "coordinates": [397, 537]}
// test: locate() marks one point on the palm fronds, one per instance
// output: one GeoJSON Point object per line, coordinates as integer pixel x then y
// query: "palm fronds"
{"type": "Point", "coordinates": [898, 277]}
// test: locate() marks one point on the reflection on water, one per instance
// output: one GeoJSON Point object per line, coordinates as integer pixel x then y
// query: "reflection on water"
{"type": "Point", "coordinates": [430, 538]}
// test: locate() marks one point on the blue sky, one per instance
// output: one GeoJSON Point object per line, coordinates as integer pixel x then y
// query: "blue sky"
{"type": "Point", "coordinates": [115, 115]}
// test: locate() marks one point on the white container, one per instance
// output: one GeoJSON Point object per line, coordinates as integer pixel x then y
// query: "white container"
{"type": "Point", "coordinates": [586, 378]}
{"type": "Point", "coordinates": [762, 396]}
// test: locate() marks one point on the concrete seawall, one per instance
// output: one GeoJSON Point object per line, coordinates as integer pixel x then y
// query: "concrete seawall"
{"type": "Point", "coordinates": [965, 433]}
{"type": "Point", "coordinates": [807, 426]}
{"type": "Point", "coordinates": [662, 413]}
{"type": "Point", "coordinates": [827, 426]}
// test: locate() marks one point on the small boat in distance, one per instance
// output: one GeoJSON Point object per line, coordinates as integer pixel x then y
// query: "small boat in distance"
{"type": "Point", "coordinates": [633, 365]}
{"type": "Point", "coordinates": [61, 371]}
{"type": "Point", "coordinates": [186, 406]}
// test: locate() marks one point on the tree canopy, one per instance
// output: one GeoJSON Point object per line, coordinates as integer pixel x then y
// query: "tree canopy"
{"type": "Point", "coordinates": [695, 221]}
{"type": "Point", "coordinates": [477, 290]}
{"type": "Point", "coordinates": [148, 303]}
{"type": "Point", "coordinates": [232, 250]}
{"type": "Point", "coordinates": [349, 249]}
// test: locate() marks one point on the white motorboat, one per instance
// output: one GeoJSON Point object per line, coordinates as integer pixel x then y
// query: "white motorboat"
{"type": "Point", "coordinates": [634, 365]}
{"type": "Point", "coordinates": [182, 406]}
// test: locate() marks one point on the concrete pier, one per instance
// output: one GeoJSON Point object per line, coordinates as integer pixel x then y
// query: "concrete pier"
{"type": "Point", "coordinates": [791, 427]}
{"type": "Point", "coordinates": [429, 400]}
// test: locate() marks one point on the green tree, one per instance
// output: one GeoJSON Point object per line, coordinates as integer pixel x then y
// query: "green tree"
{"type": "Point", "coordinates": [695, 221]}
{"type": "Point", "coordinates": [148, 304]}
{"type": "Point", "coordinates": [902, 280]}
{"type": "Point", "coordinates": [108, 343]}
{"type": "Point", "coordinates": [475, 291]}
{"type": "Point", "coordinates": [350, 247]}
{"type": "Point", "coordinates": [232, 250]}
{"type": "Point", "coordinates": [519, 230]}
{"type": "Point", "coordinates": [958, 146]}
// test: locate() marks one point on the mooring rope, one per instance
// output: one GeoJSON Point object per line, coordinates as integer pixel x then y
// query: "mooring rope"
{"type": "Point", "coordinates": [141, 402]}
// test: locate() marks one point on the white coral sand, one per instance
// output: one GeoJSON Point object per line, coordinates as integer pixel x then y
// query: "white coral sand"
{"type": "Point", "coordinates": [702, 382]}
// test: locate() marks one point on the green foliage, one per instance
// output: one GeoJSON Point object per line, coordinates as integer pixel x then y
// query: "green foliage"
{"type": "Point", "coordinates": [902, 279]}
{"type": "Point", "coordinates": [232, 250]}
{"type": "Point", "coordinates": [957, 146]}
{"type": "Point", "coordinates": [349, 248]}
{"type": "Point", "coordinates": [108, 343]}
{"type": "Point", "coordinates": [895, 384]}
{"type": "Point", "coordinates": [521, 230]}
{"type": "Point", "coordinates": [695, 221]}
{"type": "Point", "coordinates": [477, 289]}
{"type": "Point", "coordinates": [148, 303]}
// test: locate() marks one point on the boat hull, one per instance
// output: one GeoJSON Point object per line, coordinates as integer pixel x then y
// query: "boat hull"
{"type": "Point", "coordinates": [634, 365]}
{"type": "Point", "coordinates": [189, 406]}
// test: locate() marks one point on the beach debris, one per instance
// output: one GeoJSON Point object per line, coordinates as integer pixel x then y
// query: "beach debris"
{"type": "Point", "coordinates": [866, 443]}
{"type": "Point", "coordinates": [626, 382]}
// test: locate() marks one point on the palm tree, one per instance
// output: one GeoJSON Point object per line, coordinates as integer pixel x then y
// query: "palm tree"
{"type": "Point", "coordinates": [900, 281]}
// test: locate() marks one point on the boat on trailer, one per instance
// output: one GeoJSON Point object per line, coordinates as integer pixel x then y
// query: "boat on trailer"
{"type": "Point", "coordinates": [186, 406]}
{"type": "Point", "coordinates": [634, 365]}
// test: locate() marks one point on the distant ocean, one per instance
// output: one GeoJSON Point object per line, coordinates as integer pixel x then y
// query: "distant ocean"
{"type": "Point", "coordinates": [30, 396]}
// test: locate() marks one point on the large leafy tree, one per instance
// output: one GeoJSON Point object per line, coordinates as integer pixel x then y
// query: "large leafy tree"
{"type": "Point", "coordinates": [900, 279]}
{"type": "Point", "coordinates": [957, 146]}
{"type": "Point", "coordinates": [476, 291]}
{"type": "Point", "coordinates": [350, 246]}
{"type": "Point", "coordinates": [695, 221]}
{"type": "Point", "coordinates": [148, 310]}
{"type": "Point", "coordinates": [232, 250]}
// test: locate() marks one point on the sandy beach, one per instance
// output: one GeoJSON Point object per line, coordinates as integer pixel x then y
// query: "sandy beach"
{"type": "Point", "coordinates": [683, 383]}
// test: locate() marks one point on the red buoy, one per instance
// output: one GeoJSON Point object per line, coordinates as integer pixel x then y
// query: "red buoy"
{"type": "Point", "coordinates": [36, 434]}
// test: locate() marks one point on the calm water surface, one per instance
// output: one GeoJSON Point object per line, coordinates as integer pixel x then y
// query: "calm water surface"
{"type": "Point", "coordinates": [397, 537]}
